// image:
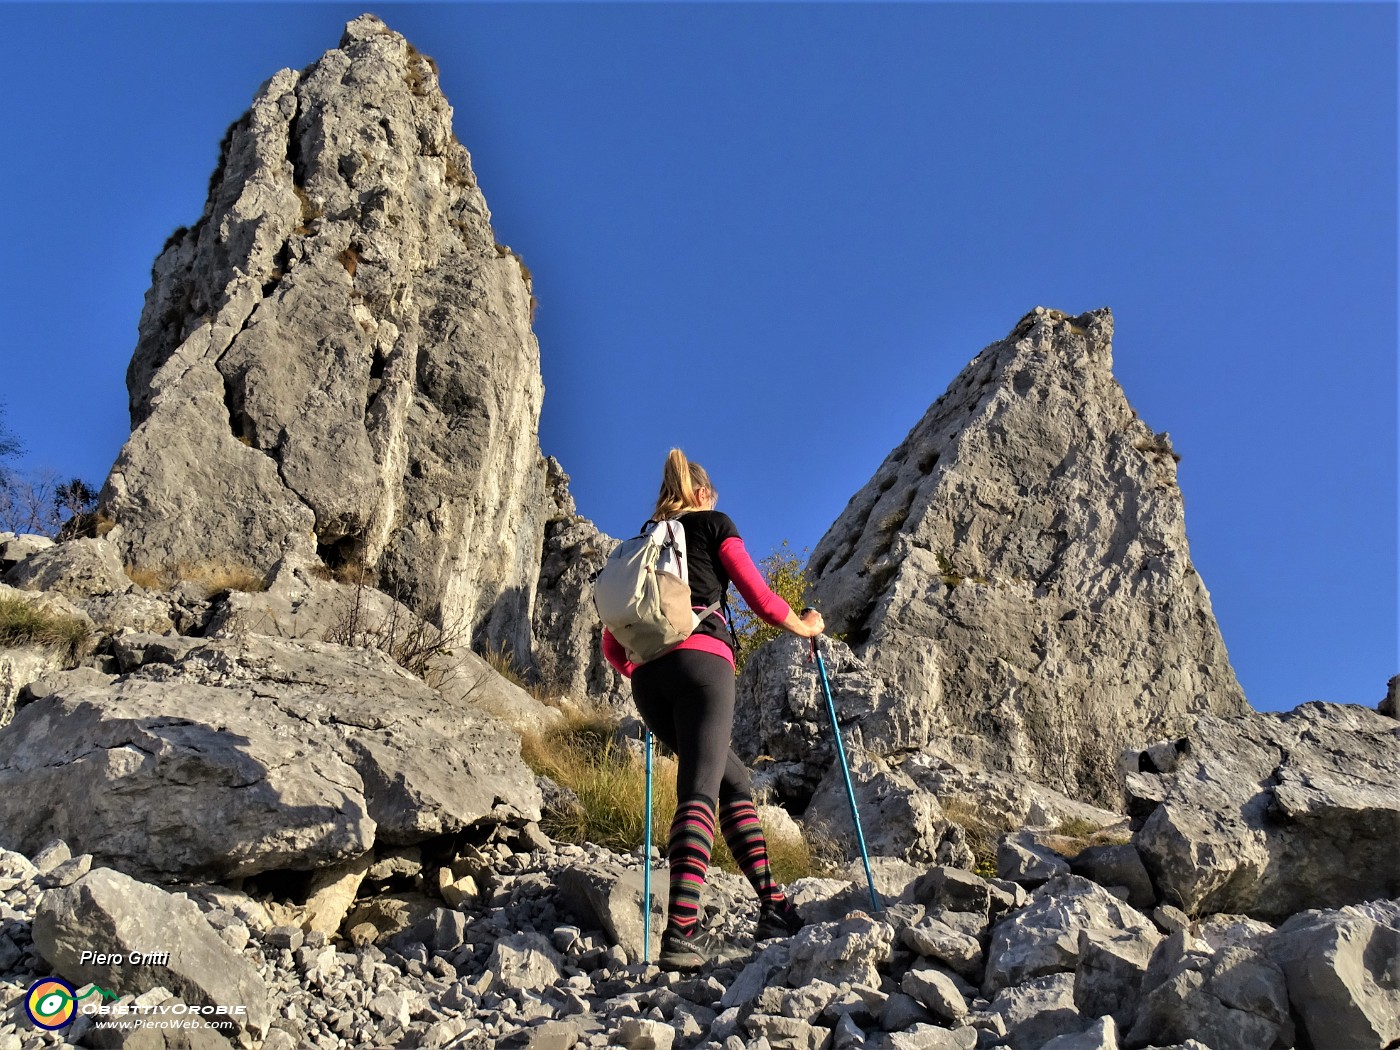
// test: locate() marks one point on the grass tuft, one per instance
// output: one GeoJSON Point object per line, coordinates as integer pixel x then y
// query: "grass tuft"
{"type": "Point", "coordinates": [22, 623]}
{"type": "Point", "coordinates": [211, 577]}
{"type": "Point", "coordinates": [982, 832]}
{"type": "Point", "coordinates": [582, 753]}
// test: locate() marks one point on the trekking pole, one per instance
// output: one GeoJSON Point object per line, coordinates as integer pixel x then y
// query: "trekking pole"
{"type": "Point", "coordinates": [646, 870]}
{"type": "Point", "coordinates": [846, 773]}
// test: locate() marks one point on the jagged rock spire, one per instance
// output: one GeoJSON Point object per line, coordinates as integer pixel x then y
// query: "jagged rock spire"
{"type": "Point", "coordinates": [1018, 567]}
{"type": "Point", "coordinates": [338, 357]}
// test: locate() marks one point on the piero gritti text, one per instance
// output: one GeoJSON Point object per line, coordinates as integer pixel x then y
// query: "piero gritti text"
{"type": "Point", "coordinates": [119, 959]}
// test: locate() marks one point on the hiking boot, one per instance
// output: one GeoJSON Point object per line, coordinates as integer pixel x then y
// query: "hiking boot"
{"type": "Point", "coordinates": [679, 952]}
{"type": "Point", "coordinates": [778, 920]}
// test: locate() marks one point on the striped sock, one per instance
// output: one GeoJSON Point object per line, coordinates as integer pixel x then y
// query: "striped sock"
{"type": "Point", "coordinates": [692, 839]}
{"type": "Point", "coordinates": [738, 819]}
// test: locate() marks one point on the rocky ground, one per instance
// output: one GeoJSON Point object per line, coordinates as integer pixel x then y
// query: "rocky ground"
{"type": "Point", "coordinates": [952, 960]}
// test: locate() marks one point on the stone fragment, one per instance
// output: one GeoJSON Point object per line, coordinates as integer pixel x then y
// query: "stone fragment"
{"type": "Point", "coordinates": [952, 889]}
{"type": "Point", "coordinates": [402, 863]}
{"type": "Point", "coordinates": [14, 549]}
{"type": "Point", "coordinates": [1108, 976]}
{"type": "Point", "coordinates": [331, 893]}
{"type": "Point", "coordinates": [389, 915]}
{"type": "Point", "coordinates": [903, 1011]}
{"type": "Point", "coordinates": [768, 966]}
{"type": "Point", "coordinates": [847, 1035]}
{"type": "Point", "coordinates": [1169, 919]}
{"type": "Point", "coordinates": [1021, 859]}
{"type": "Point", "coordinates": [787, 1033]}
{"type": "Point", "coordinates": [51, 856]}
{"type": "Point", "coordinates": [523, 961]}
{"type": "Point", "coordinates": [899, 819]}
{"type": "Point", "coordinates": [147, 938]}
{"type": "Point", "coordinates": [936, 992]}
{"type": "Point", "coordinates": [19, 667]}
{"type": "Point", "coordinates": [1231, 931]}
{"type": "Point", "coordinates": [640, 1033]}
{"type": "Point", "coordinates": [1101, 1035]}
{"type": "Point", "coordinates": [930, 1037]}
{"type": "Point", "coordinates": [934, 939]}
{"type": "Point", "coordinates": [1038, 1010]}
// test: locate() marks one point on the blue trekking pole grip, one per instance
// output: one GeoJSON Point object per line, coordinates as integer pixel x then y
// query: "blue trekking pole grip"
{"type": "Point", "coordinates": [646, 870]}
{"type": "Point", "coordinates": [846, 773]}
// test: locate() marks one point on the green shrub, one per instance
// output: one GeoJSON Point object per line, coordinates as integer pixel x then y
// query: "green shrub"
{"type": "Point", "coordinates": [786, 573]}
{"type": "Point", "coordinates": [24, 624]}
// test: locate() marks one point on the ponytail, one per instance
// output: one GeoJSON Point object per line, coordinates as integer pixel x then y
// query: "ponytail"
{"type": "Point", "coordinates": [681, 482]}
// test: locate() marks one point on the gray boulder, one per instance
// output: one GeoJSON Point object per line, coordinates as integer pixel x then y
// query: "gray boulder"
{"type": "Point", "coordinates": [609, 898]}
{"type": "Point", "coordinates": [898, 818]}
{"type": "Point", "coordinates": [1044, 937]}
{"type": "Point", "coordinates": [958, 950]}
{"type": "Point", "coordinates": [1018, 570]}
{"type": "Point", "coordinates": [1270, 814]}
{"type": "Point", "coordinates": [1101, 1035]}
{"type": "Point", "coordinates": [129, 937]}
{"type": "Point", "coordinates": [1036, 1011]}
{"type": "Point", "coordinates": [1342, 969]}
{"type": "Point", "coordinates": [76, 569]}
{"type": "Point", "coordinates": [848, 952]}
{"type": "Point", "coordinates": [337, 355]}
{"type": "Point", "coordinates": [251, 756]}
{"type": "Point", "coordinates": [18, 667]}
{"type": "Point", "coordinates": [1023, 860]}
{"type": "Point", "coordinates": [1120, 866]}
{"type": "Point", "coordinates": [1234, 998]}
{"type": "Point", "coordinates": [1109, 973]}
{"type": "Point", "coordinates": [14, 549]}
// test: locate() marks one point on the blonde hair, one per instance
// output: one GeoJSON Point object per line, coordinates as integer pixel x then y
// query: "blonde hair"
{"type": "Point", "coordinates": [681, 482]}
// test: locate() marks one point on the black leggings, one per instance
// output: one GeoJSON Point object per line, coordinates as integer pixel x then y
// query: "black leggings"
{"type": "Point", "coordinates": [686, 698]}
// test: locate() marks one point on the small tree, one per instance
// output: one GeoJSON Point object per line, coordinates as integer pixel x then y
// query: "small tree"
{"type": "Point", "coordinates": [786, 573]}
{"type": "Point", "coordinates": [10, 446]}
{"type": "Point", "coordinates": [73, 498]}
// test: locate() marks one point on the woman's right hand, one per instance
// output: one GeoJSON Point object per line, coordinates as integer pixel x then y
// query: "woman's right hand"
{"type": "Point", "coordinates": [811, 623]}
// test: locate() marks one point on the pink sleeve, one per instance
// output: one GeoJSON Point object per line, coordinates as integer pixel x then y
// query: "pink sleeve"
{"type": "Point", "coordinates": [616, 655]}
{"type": "Point", "coordinates": [736, 561]}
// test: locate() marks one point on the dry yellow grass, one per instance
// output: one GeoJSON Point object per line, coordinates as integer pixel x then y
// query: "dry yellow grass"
{"type": "Point", "coordinates": [22, 623]}
{"type": "Point", "coordinates": [211, 577]}
{"type": "Point", "coordinates": [581, 754]}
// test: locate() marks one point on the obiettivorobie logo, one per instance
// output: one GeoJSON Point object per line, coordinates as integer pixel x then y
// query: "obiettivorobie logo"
{"type": "Point", "coordinates": [52, 1003]}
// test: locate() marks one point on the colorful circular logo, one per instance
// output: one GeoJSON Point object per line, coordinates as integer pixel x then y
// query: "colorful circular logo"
{"type": "Point", "coordinates": [51, 1003]}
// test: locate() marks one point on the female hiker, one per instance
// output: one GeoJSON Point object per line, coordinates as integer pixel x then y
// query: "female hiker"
{"type": "Point", "coordinates": [686, 698]}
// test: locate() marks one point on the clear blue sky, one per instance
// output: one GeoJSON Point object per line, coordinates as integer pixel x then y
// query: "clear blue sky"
{"type": "Point", "coordinates": [808, 218]}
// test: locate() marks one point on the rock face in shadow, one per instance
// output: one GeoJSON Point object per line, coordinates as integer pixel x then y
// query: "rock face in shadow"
{"type": "Point", "coordinates": [1018, 567]}
{"type": "Point", "coordinates": [338, 356]}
